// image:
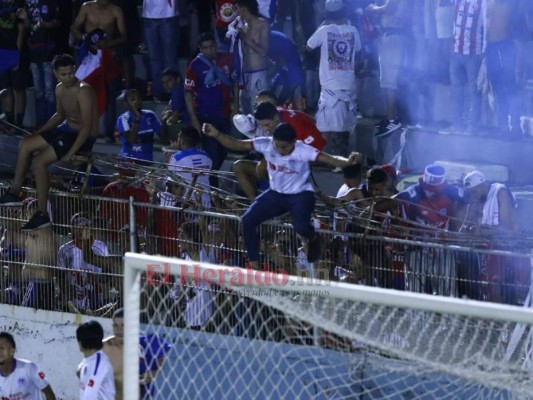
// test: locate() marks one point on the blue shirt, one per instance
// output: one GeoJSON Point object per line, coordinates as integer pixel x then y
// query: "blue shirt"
{"type": "Point", "coordinates": [153, 349]}
{"type": "Point", "coordinates": [177, 103]}
{"type": "Point", "coordinates": [143, 148]}
{"type": "Point", "coordinates": [283, 50]}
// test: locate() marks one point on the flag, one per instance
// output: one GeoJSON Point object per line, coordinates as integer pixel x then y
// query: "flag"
{"type": "Point", "coordinates": [98, 70]}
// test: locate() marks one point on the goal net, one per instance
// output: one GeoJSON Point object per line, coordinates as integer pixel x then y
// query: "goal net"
{"type": "Point", "coordinates": [230, 333]}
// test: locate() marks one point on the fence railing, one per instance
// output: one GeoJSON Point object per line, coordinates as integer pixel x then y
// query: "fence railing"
{"type": "Point", "coordinates": [77, 264]}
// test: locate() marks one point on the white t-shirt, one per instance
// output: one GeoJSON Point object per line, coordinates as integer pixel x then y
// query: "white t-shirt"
{"type": "Point", "coordinates": [288, 174]}
{"type": "Point", "coordinates": [199, 297]}
{"type": "Point", "coordinates": [338, 45]}
{"type": "Point", "coordinates": [26, 382]}
{"type": "Point", "coordinates": [343, 190]}
{"type": "Point", "coordinates": [184, 163]}
{"type": "Point", "coordinates": [97, 381]}
{"type": "Point", "coordinates": [158, 9]}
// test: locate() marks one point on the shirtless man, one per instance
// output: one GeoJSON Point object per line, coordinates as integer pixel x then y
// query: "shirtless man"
{"type": "Point", "coordinates": [39, 266]}
{"type": "Point", "coordinates": [152, 348]}
{"type": "Point", "coordinates": [255, 38]}
{"type": "Point", "coordinates": [114, 348]}
{"type": "Point", "coordinates": [101, 14]}
{"type": "Point", "coordinates": [72, 128]}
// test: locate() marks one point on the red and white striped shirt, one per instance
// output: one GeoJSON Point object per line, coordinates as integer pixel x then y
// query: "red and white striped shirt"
{"type": "Point", "coordinates": [70, 256]}
{"type": "Point", "coordinates": [468, 27]}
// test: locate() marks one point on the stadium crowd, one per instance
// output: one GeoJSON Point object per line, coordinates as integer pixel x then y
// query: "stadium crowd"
{"type": "Point", "coordinates": [249, 89]}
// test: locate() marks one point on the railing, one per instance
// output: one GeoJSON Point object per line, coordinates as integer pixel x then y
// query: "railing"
{"type": "Point", "coordinates": [79, 267]}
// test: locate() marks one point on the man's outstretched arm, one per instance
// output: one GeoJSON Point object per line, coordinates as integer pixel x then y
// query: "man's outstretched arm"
{"type": "Point", "coordinates": [226, 140]}
{"type": "Point", "coordinates": [338, 161]}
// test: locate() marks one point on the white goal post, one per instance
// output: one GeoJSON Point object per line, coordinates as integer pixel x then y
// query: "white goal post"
{"type": "Point", "coordinates": [378, 343]}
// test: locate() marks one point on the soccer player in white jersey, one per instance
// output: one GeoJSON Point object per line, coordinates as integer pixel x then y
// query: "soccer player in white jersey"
{"type": "Point", "coordinates": [189, 162]}
{"type": "Point", "coordinates": [20, 379]}
{"type": "Point", "coordinates": [80, 278]}
{"type": "Point", "coordinates": [97, 381]}
{"type": "Point", "coordinates": [290, 184]}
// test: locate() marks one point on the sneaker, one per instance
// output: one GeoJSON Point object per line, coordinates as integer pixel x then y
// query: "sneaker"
{"type": "Point", "coordinates": [384, 130]}
{"type": "Point", "coordinates": [313, 249]}
{"type": "Point", "coordinates": [453, 130]}
{"type": "Point", "coordinates": [10, 200]}
{"type": "Point", "coordinates": [337, 170]}
{"type": "Point", "coordinates": [39, 220]}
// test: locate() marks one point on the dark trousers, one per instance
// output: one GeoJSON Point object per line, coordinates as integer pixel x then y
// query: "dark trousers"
{"type": "Point", "coordinates": [271, 204]}
{"type": "Point", "coordinates": [211, 146]}
{"type": "Point", "coordinates": [501, 68]}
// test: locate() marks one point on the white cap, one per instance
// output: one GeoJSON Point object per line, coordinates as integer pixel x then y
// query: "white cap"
{"type": "Point", "coordinates": [245, 124]}
{"type": "Point", "coordinates": [334, 5]}
{"type": "Point", "coordinates": [473, 179]}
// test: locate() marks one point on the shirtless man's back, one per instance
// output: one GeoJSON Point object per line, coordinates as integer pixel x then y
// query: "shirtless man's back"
{"type": "Point", "coordinates": [37, 273]}
{"type": "Point", "coordinates": [114, 348]}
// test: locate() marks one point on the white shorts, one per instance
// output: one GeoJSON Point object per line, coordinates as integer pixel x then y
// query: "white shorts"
{"type": "Point", "coordinates": [337, 111]}
{"type": "Point", "coordinates": [254, 82]}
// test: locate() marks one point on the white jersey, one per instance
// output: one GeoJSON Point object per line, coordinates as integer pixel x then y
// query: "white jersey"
{"type": "Point", "coordinates": [338, 45]}
{"type": "Point", "coordinates": [189, 163]}
{"type": "Point", "coordinates": [199, 297]}
{"type": "Point", "coordinates": [288, 174]}
{"type": "Point", "coordinates": [26, 382]}
{"type": "Point", "coordinates": [97, 380]}
{"type": "Point", "coordinates": [70, 256]}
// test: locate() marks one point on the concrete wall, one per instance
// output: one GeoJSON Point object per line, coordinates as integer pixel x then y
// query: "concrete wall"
{"type": "Point", "coordinates": [49, 339]}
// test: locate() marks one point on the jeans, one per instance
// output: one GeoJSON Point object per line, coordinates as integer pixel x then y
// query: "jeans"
{"type": "Point", "coordinates": [271, 204]}
{"type": "Point", "coordinates": [501, 71]}
{"type": "Point", "coordinates": [464, 70]}
{"type": "Point", "coordinates": [45, 98]}
{"type": "Point", "coordinates": [161, 36]}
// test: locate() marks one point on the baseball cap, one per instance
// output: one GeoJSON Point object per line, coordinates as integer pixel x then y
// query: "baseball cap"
{"type": "Point", "coordinates": [81, 222]}
{"type": "Point", "coordinates": [245, 124]}
{"type": "Point", "coordinates": [434, 175]}
{"type": "Point", "coordinates": [80, 219]}
{"type": "Point", "coordinates": [334, 5]}
{"type": "Point", "coordinates": [473, 179]}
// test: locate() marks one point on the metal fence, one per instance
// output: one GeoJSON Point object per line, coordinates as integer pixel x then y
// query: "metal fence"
{"type": "Point", "coordinates": [77, 265]}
